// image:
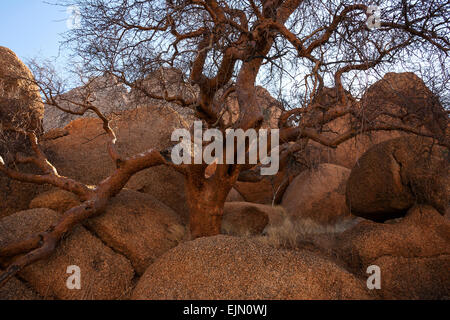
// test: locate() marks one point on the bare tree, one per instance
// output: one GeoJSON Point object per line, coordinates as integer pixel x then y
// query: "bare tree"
{"type": "Point", "coordinates": [224, 48]}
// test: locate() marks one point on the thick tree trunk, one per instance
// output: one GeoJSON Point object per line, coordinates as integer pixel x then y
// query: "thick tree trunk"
{"type": "Point", "coordinates": [206, 199]}
{"type": "Point", "coordinates": [205, 217]}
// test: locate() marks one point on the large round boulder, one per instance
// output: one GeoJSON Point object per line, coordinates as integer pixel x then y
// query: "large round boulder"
{"type": "Point", "coordinates": [394, 175]}
{"type": "Point", "coordinates": [20, 102]}
{"type": "Point", "coordinates": [318, 194]}
{"type": "Point", "coordinates": [20, 107]}
{"type": "Point", "coordinates": [423, 232]}
{"type": "Point", "coordinates": [403, 98]}
{"type": "Point", "coordinates": [230, 268]}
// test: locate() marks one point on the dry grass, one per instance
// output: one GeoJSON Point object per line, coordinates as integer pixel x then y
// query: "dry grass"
{"type": "Point", "coordinates": [176, 232]}
{"type": "Point", "coordinates": [290, 233]}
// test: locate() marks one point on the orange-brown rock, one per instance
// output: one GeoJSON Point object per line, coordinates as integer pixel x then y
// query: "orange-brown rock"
{"type": "Point", "coordinates": [423, 232]}
{"type": "Point", "coordinates": [138, 226]}
{"type": "Point", "coordinates": [57, 199]}
{"type": "Point", "coordinates": [405, 96]}
{"type": "Point", "coordinates": [394, 175]}
{"type": "Point", "coordinates": [16, 196]}
{"type": "Point", "coordinates": [318, 194]}
{"type": "Point", "coordinates": [82, 154]}
{"type": "Point", "coordinates": [105, 274]}
{"type": "Point", "coordinates": [106, 93]}
{"type": "Point", "coordinates": [16, 289]}
{"type": "Point", "coordinates": [267, 191]}
{"type": "Point", "coordinates": [21, 107]}
{"type": "Point", "coordinates": [413, 253]}
{"type": "Point", "coordinates": [20, 101]}
{"type": "Point", "coordinates": [415, 278]}
{"type": "Point", "coordinates": [234, 196]}
{"type": "Point", "coordinates": [245, 218]}
{"type": "Point", "coordinates": [230, 268]}
{"type": "Point", "coordinates": [398, 98]}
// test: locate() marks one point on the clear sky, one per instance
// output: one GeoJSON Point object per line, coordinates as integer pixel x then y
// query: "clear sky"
{"type": "Point", "coordinates": [32, 28]}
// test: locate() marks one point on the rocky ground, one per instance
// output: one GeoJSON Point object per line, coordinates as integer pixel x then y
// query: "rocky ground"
{"type": "Point", "coordinates": [378, 199]}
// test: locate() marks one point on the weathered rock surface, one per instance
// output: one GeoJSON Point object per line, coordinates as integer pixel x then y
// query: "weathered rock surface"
{"type": "Point", "coordinates": [135, 224]}
{"type": "Point", "coordinates": [106, 93]}
{"type": "Point", "coordinates": [234, 196]}
{"type": "Point", "coordinates": [270, 108]}
{"type": "Point", "coordinates": [230, 268]}
{"type": "Point", "coordinates": [423, 232]}
{"type": "Point", "coordinates": [245, 218]}
{"type": "Point", "coordinates": [16, 289]}
{"type": "Point", "coordinates": [413, 253]}
{"type": "Point", "coordinates": [20, 102]}
{"type": "Point", "coordinates": [269, 190]}
{"type": "Point", "coordinates": [82, 154]}
{"type": "Point", "coordinates": [405, 95]}
{"type": "Point", "coordinates": [415, 278]}
{"type": "Point", "coordinates": [168, 80]}
{"type": "Point", "coordinates": [20, 107]}
{"type": "Point", "coordinates": [394, 175]}
{"type": "Point", "coordinates": [57, 200]}
{"type": "Point", "coordinates": [396, 99]}
{"type": "Point", "coordinates": [318, 195]}
{"type": "Point", "coordinates": [139, 227]}
{"type": "Point", "coordinates": [104, 273]}
{"type": "Point", "coordinates": [16, 196]}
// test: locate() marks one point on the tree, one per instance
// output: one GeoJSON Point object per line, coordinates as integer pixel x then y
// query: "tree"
{"type": "Point", "coordinates": [225, 48]}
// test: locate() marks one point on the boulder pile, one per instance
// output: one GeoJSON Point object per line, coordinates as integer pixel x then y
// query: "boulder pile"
{"type": "Point", "coordinates": [309, 232]}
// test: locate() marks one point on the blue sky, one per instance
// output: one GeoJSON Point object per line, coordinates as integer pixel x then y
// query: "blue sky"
{"type": "Point", "coordinates": [32, 28]}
